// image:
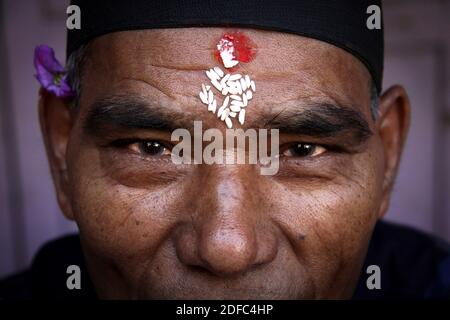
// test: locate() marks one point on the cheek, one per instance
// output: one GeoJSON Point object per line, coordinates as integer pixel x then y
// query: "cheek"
{"type": "Point", "coordinates": [330, 222]}
{"type": "Point", "coordinates": [119, 222]}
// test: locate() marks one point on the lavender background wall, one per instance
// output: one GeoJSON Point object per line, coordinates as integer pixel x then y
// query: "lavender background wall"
{"type": "Point", "coordinates": [417, 55]}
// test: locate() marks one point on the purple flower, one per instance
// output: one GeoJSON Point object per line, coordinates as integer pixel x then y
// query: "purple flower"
{"type": "Point", "coordinates": [50, 73]}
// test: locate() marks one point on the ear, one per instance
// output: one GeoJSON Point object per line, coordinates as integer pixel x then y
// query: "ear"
{"type": "Point", "coordinates": [56, 124]}
{"type": "Point", "coordinates": [392, 125]}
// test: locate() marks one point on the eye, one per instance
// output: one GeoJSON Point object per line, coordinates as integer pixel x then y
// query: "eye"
{"type": "Point", "coordinates": [149, 148]}
{"type": "Point", "coordinates": [304, 150]}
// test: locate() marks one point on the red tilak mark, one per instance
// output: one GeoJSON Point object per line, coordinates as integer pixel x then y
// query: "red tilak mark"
{"type": "Point", "coordinates": [236, 44]}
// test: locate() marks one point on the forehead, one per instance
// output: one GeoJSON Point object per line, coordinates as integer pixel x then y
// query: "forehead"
{"type": "Point", "coordinates": [165, 64]}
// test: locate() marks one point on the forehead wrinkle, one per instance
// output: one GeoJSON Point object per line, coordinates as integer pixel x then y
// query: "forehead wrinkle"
{"type": "Point", "coordinates": [187, 47]}
{"type": "Point", "coordinates": [307, 87]}
{"type": "Point", "coordinates": [142, 76]}
{"type": "Point", "coordinates": [133, 54]}
{"type": "Point", "coordinates": [119, 53]}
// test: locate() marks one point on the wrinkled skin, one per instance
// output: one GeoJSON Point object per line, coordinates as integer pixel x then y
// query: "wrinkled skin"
{"type": "Point", "coordinates": [151, 229]}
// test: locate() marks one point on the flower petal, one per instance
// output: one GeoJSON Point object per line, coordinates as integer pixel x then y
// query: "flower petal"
{"type": "Point", "coordinates": [48, 69]}
{"type": "Point", "coordinates": [44, 58]}
{"type": "Point", "coordinates": [65, 91]}
{"type": "Point", "coordinates": [45, 79]}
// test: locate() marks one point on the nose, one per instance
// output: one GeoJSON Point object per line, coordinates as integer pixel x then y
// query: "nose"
{"type": "Point", "coordinates": [229, 232]}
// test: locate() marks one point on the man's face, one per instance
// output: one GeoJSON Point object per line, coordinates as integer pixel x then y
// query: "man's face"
{"type": "Point", "coordinates": [154, 229]}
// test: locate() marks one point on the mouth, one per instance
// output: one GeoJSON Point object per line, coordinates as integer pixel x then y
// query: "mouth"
{"type": "Point", "coordinates": [197, 283]}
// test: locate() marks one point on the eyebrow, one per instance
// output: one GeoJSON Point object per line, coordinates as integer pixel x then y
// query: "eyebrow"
{"type": "Point", "coordinates": [323, 121]}
{"type": "Point", "coordinates": [125, 113]}
{"type": "Point", "coordinates": [313, 120]}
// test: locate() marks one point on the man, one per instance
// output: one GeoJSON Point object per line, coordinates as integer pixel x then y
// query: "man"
{"type": "Point", "coordinates": [153, 229]}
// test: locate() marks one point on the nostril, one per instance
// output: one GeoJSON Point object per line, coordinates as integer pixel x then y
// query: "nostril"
{"type": "Point", "coordinates": [199, 269]}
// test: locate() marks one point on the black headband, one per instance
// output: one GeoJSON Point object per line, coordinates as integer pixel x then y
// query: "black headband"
{"type": "Point", "coordinates": [338, 22]}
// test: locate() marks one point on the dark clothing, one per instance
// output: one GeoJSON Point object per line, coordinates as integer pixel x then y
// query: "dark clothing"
{"type": "Point", "coordinates": [413, 266]}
